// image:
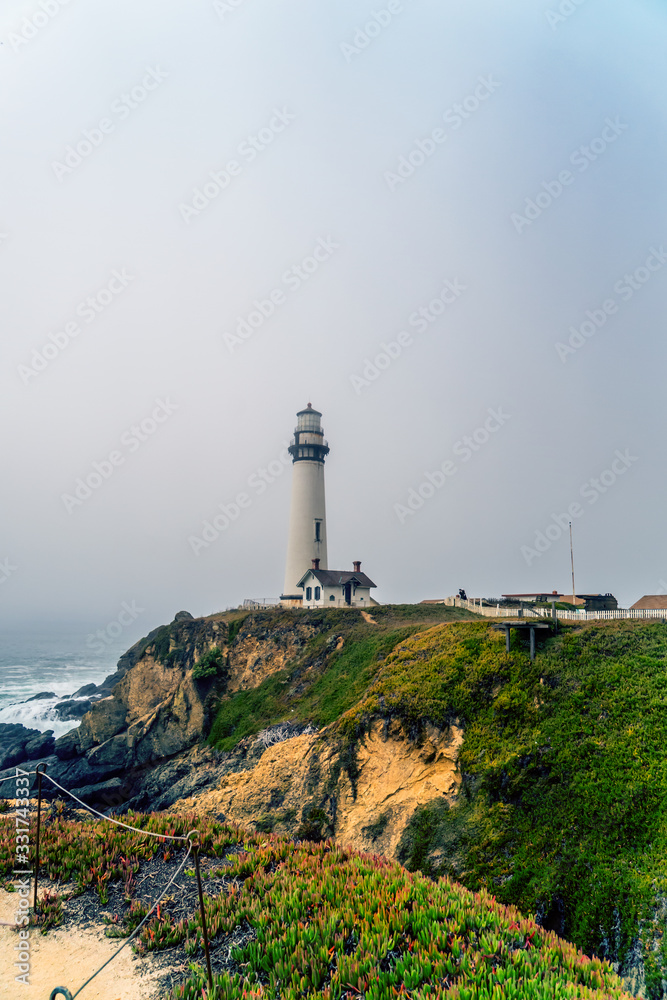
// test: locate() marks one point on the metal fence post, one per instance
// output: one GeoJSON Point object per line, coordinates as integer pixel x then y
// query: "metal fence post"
{"type": "Point", "coordinates": [195, 851]}
{"type": "Point", "coordinates": [38, 770]}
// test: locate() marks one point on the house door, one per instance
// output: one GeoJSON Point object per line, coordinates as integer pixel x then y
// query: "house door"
{"type": "Point", "coordinates": [348, 593]}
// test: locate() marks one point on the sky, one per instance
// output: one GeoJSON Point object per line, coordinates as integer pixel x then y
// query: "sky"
{"type": "Point", "coordinates": [443, 224]}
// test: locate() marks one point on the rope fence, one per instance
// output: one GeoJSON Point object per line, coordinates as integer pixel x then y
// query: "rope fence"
{"type": "Point", "coordinates": [191, 840]}
{"type": "Point", "coordinates": [12, 777]}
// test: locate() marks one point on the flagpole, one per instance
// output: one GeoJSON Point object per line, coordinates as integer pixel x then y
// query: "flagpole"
{"type": "Point", "coordinates": [572, 564]}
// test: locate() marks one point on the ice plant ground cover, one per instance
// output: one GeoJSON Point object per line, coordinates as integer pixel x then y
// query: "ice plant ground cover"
{"type": "Point", "coordinates": [326, 922]}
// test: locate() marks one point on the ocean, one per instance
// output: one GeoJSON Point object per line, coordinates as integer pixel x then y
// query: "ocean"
{"type": "Point", "coordinates": [50, 658]}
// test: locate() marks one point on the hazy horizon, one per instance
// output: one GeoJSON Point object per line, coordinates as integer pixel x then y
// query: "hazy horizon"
{"type": "Point", "coordinates": [442, 225]}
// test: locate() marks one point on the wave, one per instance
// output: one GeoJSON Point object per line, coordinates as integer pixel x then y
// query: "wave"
{"type": "Point", "coordinates": [39, 715]}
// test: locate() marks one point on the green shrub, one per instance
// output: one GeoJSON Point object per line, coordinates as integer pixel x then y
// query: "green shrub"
{"type": "Point", "coordinates": [211, 664]}
{"type": "Point", "coordinates": [161, 644]}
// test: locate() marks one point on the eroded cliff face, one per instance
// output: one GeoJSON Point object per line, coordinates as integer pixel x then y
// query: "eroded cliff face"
{"type": "Point", "coordinates": [363, 796]}
{"type": "Point", "coordinates": [159, 708]}
{"type": "Point", "coordinates": [148, 737]}
{"type": "Point", "coordinates": [144, 746]}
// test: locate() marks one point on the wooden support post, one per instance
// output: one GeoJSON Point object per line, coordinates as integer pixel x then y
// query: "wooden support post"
{"type": "Point", "coordinates": [532, 644]}
{"type": "Point", "coordinates": [507, 639]}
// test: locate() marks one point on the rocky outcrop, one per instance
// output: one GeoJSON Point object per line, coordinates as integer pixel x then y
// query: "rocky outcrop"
{"type": "Point", "coordinates": [143, 745]}
{"type": "Point", "coordinates": [18, 744]}
{"type": "Point", "coordinates": [259, 652]}
{"type": "Point", "coordinates": [363, 796]}
{"type": "Point", "coordinates": [154, 708]}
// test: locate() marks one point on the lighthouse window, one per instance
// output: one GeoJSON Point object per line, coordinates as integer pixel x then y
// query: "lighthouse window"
{"type": "Point", "coordinates": [318, 527]}
{"type": "Point", "coordinates": [317, 593]}
{"type": "Point", "coordinates": [309, 593]}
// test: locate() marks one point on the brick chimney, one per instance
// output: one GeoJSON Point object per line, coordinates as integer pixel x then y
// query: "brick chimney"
{"type": "Point", "coordinates": [316, 563]}
{"type": "Point", "coordinates": [356, 566]}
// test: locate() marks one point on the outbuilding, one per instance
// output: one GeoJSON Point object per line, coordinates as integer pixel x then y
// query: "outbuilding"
{"type": "Point", "coordinates": [651, 602]}
{"type": "Point", "coordinates": [335, 588]}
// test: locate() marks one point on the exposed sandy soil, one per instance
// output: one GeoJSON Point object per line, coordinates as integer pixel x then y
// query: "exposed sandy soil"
{"type": "Point", "coordinates": [67, 958]}
{"type": "Point", "coordinates": [395, 777]}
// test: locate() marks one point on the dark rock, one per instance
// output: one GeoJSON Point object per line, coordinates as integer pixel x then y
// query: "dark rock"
{"type": "Point", "coordinates": [85, 691]}
{"type": "Point", "coordinates": [79, 772]}
{"type": "Point", "coordinates": [68, 746]}
{"type": "Point", "coordinates": [183, 616]}
{"type": "Point", "coordinates": [7, 788]}
{"type": "Point", "coordinates": [14, 732]}
{"type": "Point", "coordinates": [107, 794]}
{"type": "Point", "coordinates": [11, 756]}
{"type": "Point", "coordinates": [108, 684]}
{"type": "Point", "coordinates": [71, 709]}
{"type": "Point", "coordinates": [42, 746]}
{"type": "Point", "coordinates": [116, 752]}
{"type": "Point", "coordinates": [38, 697]}
{"type": "Point", "coordinates": [13, 740]}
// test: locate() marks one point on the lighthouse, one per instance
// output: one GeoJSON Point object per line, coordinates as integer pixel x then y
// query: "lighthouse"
{"type": "Point", "coordinates": [308, 524]}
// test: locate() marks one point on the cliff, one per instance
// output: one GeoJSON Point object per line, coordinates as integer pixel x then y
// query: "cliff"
{"type": "Point", "coordinates": [414, 735]}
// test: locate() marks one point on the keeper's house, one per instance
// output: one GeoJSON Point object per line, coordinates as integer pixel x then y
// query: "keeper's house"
{"type": "Point", "coordinates": [334, 588]}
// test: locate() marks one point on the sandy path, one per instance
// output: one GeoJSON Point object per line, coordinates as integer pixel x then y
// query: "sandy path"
{"type": "Point", "coordinates": [68, 957]}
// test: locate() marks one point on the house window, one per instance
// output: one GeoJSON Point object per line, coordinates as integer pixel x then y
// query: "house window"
{"type": "Point", "coordinates": [317, 593]}
{"type": "Point", "coordinates": [331, 597]}
{"type": "Point", "coordinates": [309, 593]}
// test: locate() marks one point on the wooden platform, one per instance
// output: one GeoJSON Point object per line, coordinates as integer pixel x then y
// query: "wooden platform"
{"type": "Point", "coordinates": [522, 625]}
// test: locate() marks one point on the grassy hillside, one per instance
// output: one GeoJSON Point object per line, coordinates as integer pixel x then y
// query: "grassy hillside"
{"type": "Point", "coordinates": [562, 811]}
{"type": "Point", "coordinates": [324, 681]}
{"type": "Point", "coordinates": [564, 764]}
{"type": "Point", "coordinates": [317, 921]}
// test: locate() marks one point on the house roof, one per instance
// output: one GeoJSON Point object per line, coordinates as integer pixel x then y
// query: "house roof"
{"type": "Point", "coordinates": [336, 578]}
{"type": "Point", "coordinates": [534, 593]}
{"type": "Point", "coordinates": [651, 601]}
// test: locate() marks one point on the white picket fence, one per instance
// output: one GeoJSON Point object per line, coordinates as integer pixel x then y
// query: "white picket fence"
{"type": "Point", "coordinates": [528, 612]}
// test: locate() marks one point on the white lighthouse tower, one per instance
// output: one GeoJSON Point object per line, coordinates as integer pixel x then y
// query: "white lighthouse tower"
{"type": "Point", "coordinates": [308, 523]}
